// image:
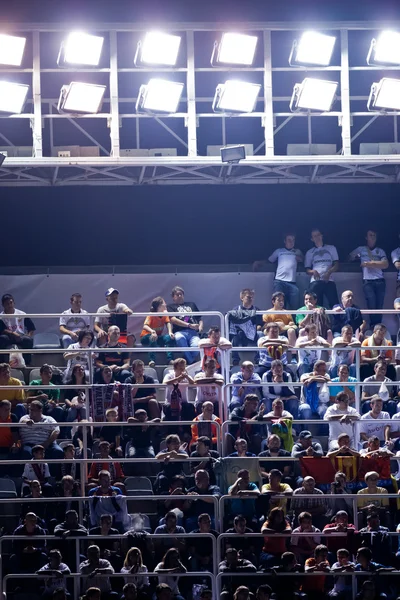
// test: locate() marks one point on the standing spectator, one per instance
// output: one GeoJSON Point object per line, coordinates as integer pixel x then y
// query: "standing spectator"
{"type": "Point", "coordinates": [320, 262]}
{"type": "Point", "coordinates": [309, 346]}
{"type": "Point", "coordinates": [395, 256]}
{"type": "Point", "coordinates": [373, 262]}
{"type": "Point", "coordinates": [344, 353]}
{"type": "Point", "coordinates": [48, 396]}
{"type": "Point", "coordinates": [274, 547]}
{"type": "Point", "coordinates": [74, 321]}
{"type": "Point", "coordinates": [16, 397]}
{"type": "Point", "coordinates": [118, 362]}
{"type": "Point", "coordinates": [93, 566]}
{"type": "Point", "coordinates": [276, 377]}
{"type": "Point", "coordinates": [370, 356]}
{"type": "Point", "coordinates": [285, 321]}
{"type": "Point", "coordinates": [143, 398]}
{"type": "Point", "coordinates": [212, 346]}
{"type": "Point", "coordinates": [274, 347]}
{"type": "Point", "coordinates": [75, 356]}
{"type": "Point", "coordinates": [385, 390]}
{"type": "Point", "coordinates": [288, 258]}
{"type": "Point", "coordinates": [349, 314]}
{"type": "Point", "coordinates": [116, 314]}
{"type": "Point", "coordinates": [244, 323]}
{"type": "Point", "coordinates": [316, 506]}
{"type": "Point", "coordinates": [317, 317]}
{"type": "Point", "coordinates": [304, 546]}
{"type": "Point", "coordinates": [381, 427]}
{"type": "Point", "coordinates": [209, 384]}
{"type": "Point", "coordinates": [239, 392]}
{"type": "Point", "coordinates": [16, 330]}
{"type": "Point", "coordinates": [187, 328]}
{"type": "Point", "coordinates": [167, 568]}
{"type": "Point", "coordinates": [341, 418]}
{"type": "Point", "coordinates": [153, 330]}
{"type": "Point", "coordinates": [40, 429]}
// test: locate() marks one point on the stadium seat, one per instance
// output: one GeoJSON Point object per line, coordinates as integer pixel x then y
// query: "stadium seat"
{"type": "Point", "coordinates": [167, 370]}
{"type": "Point", "coordinates": [34, 374]}
{"type": "Point", "coordinates": [138, 486]}
{"type": "Point", "coordinates": [18, 374]}
{"type": "Point", "coordinates": [46, 341]}
{"type": "Point", "coordinates": [7, 488]}
{"type": "Point", "coordinates": [150, 372]}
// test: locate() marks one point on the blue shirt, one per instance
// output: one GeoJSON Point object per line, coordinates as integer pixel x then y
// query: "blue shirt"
{"type": "Point", "coordinates": [335, 389]}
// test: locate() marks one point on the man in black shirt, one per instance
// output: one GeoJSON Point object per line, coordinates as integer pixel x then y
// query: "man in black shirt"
{"type": "Point", "coordinates": [118, 362]}
{"type": "Point", "coordinates": [143, 398]}
{"type": "Point", "coordinates": [139, 440]}
{"type": "Point", "coordinates": [274, 450]}
{"type": "Point", "coordinates": [203, 450]}
{"type": "Point", "coordinates": [201, 548]}
{"type": "Point", "coordinates": [187, 328]}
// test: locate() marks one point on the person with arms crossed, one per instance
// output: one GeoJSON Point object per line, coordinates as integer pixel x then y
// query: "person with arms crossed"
{"type": "Point", "coordinates": [320, 262]}
{"type": "Point", "coordinates": [116, 313]}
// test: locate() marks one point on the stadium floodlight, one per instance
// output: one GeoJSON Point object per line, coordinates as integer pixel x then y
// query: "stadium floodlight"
{"type": "Point", "coordinates": [158, 48]}
{"type": "Point", "coordinates": [233, 154]}
{"type": "Point", "coordinates": [12, 97]}
{"type": "Point", "coordinates": [313, 48]}
{"type": "Point", "coordinates": [385, 95]}
{"type": "Point", "coordinates": [80, 48]}
{"type": "Point", "coordinates": [80, 97]}
{"type": "Point", "coordinates": [234, 49]}
{"type": "Point", "coordinates": [236, 96]}
{"type": "Point", "coordinates": [11, 49]}
{"type": "Point", "coordinates": [313, 94]}
{"type": "Point", "coordinates": [159, 95]}
{"type": "Point", "coordinates": [385, 50]}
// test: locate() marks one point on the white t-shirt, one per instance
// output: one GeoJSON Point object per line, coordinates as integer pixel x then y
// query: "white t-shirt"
{"type": "Point", "coordinates": [309, 355]}
{"type": "Point", "coordinates": [30, 474]}
{"type": "Point", "coordinates": [378, 427]}
{"type": "Point", "coordinates": [83, 358]}
{"type": "Point", "coordinates": [183, 387]}
{"type": "Point", "coordinates": [103, 321]}
{"type": "Point", "coordinates": [396, 258]}
{"type": "Point", "coordinates": [14, 324]}
{"type": "Point", "coordinates": [342, 356]}
{"type": "Point", "coordinates": [395, 423]}
{"type": "Point", "coordinates": [365, 254]}
{"type": "Point", "coordinates": [287, 263]}
{"type": "Point", "coordinates": [335, 427]}
{"type": "Point", "coordinates": [321, 259]}
{"type": "Point", "coordinates": [208, 393]}
{"type": "Point", "coordinates": [75, 321]}
{"type": "Point", "coordinates": [277, 387]}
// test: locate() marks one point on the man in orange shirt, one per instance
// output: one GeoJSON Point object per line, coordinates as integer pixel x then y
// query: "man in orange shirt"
{"type": "Point", "coordinates": [315, 586]}
{"type": "Point", "coordinates": [286, 324]}
{"type": "Point", "coordinates": [153, 330]}
{"type": "Point", "coordinates": [370, 357]}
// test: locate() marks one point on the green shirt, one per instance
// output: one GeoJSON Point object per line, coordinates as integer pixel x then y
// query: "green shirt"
{"type": "Point", "coordinates": [52, 392]}
{"type": "Point", "coordinates": [300, 317]}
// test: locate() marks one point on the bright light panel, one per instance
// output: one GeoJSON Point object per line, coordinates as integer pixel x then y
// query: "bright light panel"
{"type": "Point", "coordinates": [83, 49]}
{"type": "Point", "coordinates": [162, 95]}
{"type": "Point", "coordinates": [11, 49]}
{"type": "Point", "coordinates": [387, 94]}
{"type": "Point", "coordinates": [315, 48]}
{"type": "Point", "coordinates": [238, 96]}
{"type": "Point", "coordinates": [387, 48]}
{"type": "Point", "coordinates": [160, 48]}
{"type": "Point", "coordinates": [83, 97]}
{"type": "Point", "coordinates": [12, 97]}
{"type": "Point", "coordinates": [317, 94]}
{"type": "Point", "coordinates": [237, 49]}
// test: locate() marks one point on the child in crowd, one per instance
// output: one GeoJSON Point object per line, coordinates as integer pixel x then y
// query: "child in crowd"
{"type": "Point", "coordinates": [37, 471]}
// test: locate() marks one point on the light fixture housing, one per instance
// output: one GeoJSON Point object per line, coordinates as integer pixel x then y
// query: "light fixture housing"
{"type": "Point", "coordinates": [233, 154]}
{"type": "Point", "coordinates": [11, 49]}
{"type": "Point", "coordinates": [12, 97]}
{"type": "Point", "coordinates": [159, 95]}
{"type": "Point", "coordinates": [158, 48]}
{"type": "Point", "coordinates": [2, 158]}
{"type": "Point", "coordinates": [385, 50]}
{"type": "Point", "coordinates": [385, 95]}
{"type": "Point", "coordinates": [234, 49]}
{"type": "Point", "coordinates": [80, 48]}
{"type": "Point", "coordinates": [78, 97]}
{"type": "Point", "coordinates": [236, 96]}
{"type": "Point", "coordinates": [313, 94]}
{"type": "Point", "coordinates": [313, 48]}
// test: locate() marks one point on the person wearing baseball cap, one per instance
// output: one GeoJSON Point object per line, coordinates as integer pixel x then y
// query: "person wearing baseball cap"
{"type": "Point", "coordinates": [115, 314]}
{"type": "Point", "coordinates": [306, 447]}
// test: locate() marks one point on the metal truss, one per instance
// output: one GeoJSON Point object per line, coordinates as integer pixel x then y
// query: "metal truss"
{"type": "Point", "coordinates": [104, 131]}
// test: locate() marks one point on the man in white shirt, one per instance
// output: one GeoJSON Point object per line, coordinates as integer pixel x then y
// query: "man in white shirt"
{"type": "Point", "coordinates": [344, 353]}
{"type": "Point", "coordinates": [380, 425]}
{"type": "Point", "coordinates": [373, 261]}
{"type": "Point", "coordinates": [43, 430]}
{"type": "Point", "coordinates": [115, 314]}
{"type": "Point", "coordinates": [209, 384]}
{"type": "Point", "coordinates": [309, 344]}
{"type": "Point", "coordinates": [395, 256]}
{"type": "Point", "coordinates": [341, 418]}
{"type": "Point", "coordinates": [285, 278]}
{"type": "Point", "coordinates": [320, 262]}
{"type": "Point", "coordinates": [15, 329]}
{"type": "Point", "coordinates": [212, 346]}
{"type": "Point", "coordinates": [74, 321]}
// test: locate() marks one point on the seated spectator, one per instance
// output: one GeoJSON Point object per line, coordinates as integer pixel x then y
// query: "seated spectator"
{"type": "Point", "coordinates": [233, 563]}
{"type": "Point", "coordinates": [177, 407]}
{"type": "Point", "coordinates": [206, 424]}
{"type": "Point", "coordinates": [170, 564]}
{"type": "Point", "coordinates": [201, 548]}
{"type": "Point", "coordinates": [112, 434]}
{"type": "Point", "coordinates": [274, 547]}
{"type": "Point", "coordinates": [246, 376]}
{"type": "Point", "coordinates": [105, 488]}
{"type": "Point", "coordinates": [341, 418]}
{"type": "Point", "coordinates": [15, 331]}
{"type": "Point", "coordinates": [244, 545]}
{"type": "Point", "coordinates": [369, 504]}
{"type": "Point", "coordinates": [170, 527]}
{"type": "Point", "coordinates": [370, 357]}
{"type": "Point", "coordinates": [374, 449]}
{"type": "Point", "coordinates": [279, 421]}
{"type": "Point", "coordinates": [342, 447]}
{"type": "Point", "coordinates": [381, 428]}
{"type": "Point", "coordinates": [9, 436]}
{"type": "Point", "coordinates": [273, 346]}
{"type": "Point", "coordinates": [129, 592]}
{"type": "Point", "coordinates": [247, 489]}
{"type": "Point", "coordinates": [201, 505]}
{"type": "Point", "coordinates": [339, 488]}
{"type": "Point", "coordinates": [308, 343]}
{"type": "Point", "coordinates": [73, 321]}
{"type": "Point", "coordinates": [306, 447]}
{"type": "Point", "coordinates": [212, 346]}
{"type": "Point", "coordinates": [341, 381]}
{"type": "Point", "coordinates": [71, 526]}
{"type": "Point", "coordinates": [317, 317]}
{"type": "Point", "coordinates": [75, 400]}
{"type": "Point", "coordinates": [113, 468]}
{"type": "Point", "coordinates": [315, 392]}
{"type": "Point", "coordinates": [276, 492]}
{"type": "Point", "coordinates": [245, 416]}
{"type": "Point", "coordinates": [105, 528]}
{"type": "Point", "coordinates": [94, 566]}
{"type": "Point", "coordinates": [315, 586]}
{"type": "Point", "coordinates": [287, 327]}
{"type": "Point", "coordinates": [244, 323]}
{"type": "Point", "coordinates": [27, 555]}
{"type": "Point", "coordinates": [288, 587]}
{"type": "Point", "coordinates": [172, 458]}
{"type": "Point", "coordinates": [56, 570]}
{"type": "Point", "coordinates": [75, 354]}
{"type": "Point", "coordinates": [77, 439]}
{"type": "Point", "coordinates": [304, 546]}
{"type": "Point", "coordinates": [366, 564]}
{"type": "Point", "coordinates": [203, 450]}
{"type": "Point", "coordinates": [277, 377]}
{"type": "Point", "coordinates": [139, 440]}
{"type": "Point", "coordinates": [348, 314]}
{"type": "Point", "coordinates": [42, 509]}
{"type": "Point", "coordinates": [68, 489]}
{"type": "Point", "coordinates": [163, 592]}
{"type": "Point", "coordinates": [48, 396]}
{"type": "Point", "coordinates": [178, 487]}
{"type": "Point", "coordinates": [317, 506]}
{"type": "Point", "coordinates": [116, 313]}
{"type": "Point", "coordinates": [133, 566]}
{"type": "Point", "coordinates": [241, 449]}
{"type": "Point", "coordinates": [377, 539]}
{"type": "Point", "coordinates": [39, 471]}
{"type": "Point", "coordinates": [119, 362]}
{"type": "Point", "coordinates": [385, 391]}
{"type": "Point", "coordinates": [93, 593]}
{"type": "Point", "coordinates": [343, 585]}
{"type": "Point", "coordinates": [340, 524]}
{"type": "Point", "coordinates": [275, 451]}
{"type": "Point", "coordinates": [344, 353]}
{"type": "Point", "coordinates": [43, 430]}
{"type": "Point", "coordinates": [143, 398]}
{"type": "Point", "coordinates": [209, 384]}
{"type": "Point", "coordinates": [153, 330]}
{"type": "Point", "coordinates": [264, 592]}
{"type": "Point", "coordinates": [16, 397]}
{"type": "Point", "coordinates": [186, 328]}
